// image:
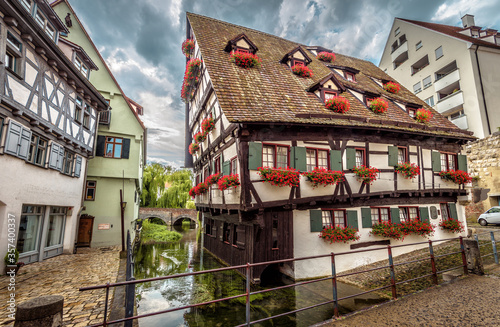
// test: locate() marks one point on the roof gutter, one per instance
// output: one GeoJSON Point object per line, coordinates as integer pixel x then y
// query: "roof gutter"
{"type": "Point", "coordinates": [482, 90]}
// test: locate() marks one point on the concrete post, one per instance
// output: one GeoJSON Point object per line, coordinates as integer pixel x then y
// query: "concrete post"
{"type": "Point", "coordinates": [43, 311]}
{"type": "Point", "coordinates": [473, 256]}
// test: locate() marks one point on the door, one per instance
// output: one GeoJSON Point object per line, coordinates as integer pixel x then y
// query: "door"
{"type": "Point", "coordinates": [85, 231]}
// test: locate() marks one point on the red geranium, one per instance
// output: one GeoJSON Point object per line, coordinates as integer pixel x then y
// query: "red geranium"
{"type": "Point", "coordinates": [392, 87]}
{"type": "Point", "coordinates": [200, 137]}
{"type": "Point", "coordinates": [187, 47]}
{"type": "Point", "coordinates": [338, 104]}
{"type": "Point", "coordinates": [452, 225]}
{"type": "Point", "coordinates": [280, 176]}
{"type": "Point", "coordinates": [212, 179]}
{"type": "Point", "coordinates": [366, 174]}
{"type": "Point", "coordinates": [388, 230]}
{"type": "Point", "coordinates": [408, 170]}
{"type": "Point", "coordinates": [417, 227]}
{"type": "Point", "coordinates": [302, 71]}
{"type": "Point", "coordinates": [228, 181]}
{"type": "Point", "coordinates": [423, 115]}
{"type": "Point", "coordinates": [456, 176]}
{"type": "Point", "coordinates": [326, 56]}
{"type": "Point", "coordinates": [379, 105]}
{"type": "Point", "coordinates": [245, 60]}
{"type": "Point", "coordinates": [207, 125]}
{"type": "Point", "coordinates": [193, 147]}
{"type": "Point", "coordinates": [339, 234]}
{"type": "Point", "coordinates": [191, 77]}
{"type": "Point", "coordinates": [322, 176]}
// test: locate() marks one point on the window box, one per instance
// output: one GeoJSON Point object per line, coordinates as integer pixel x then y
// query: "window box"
{"type": "Point", "coordinates": [207, 125]}
{"type": "Point", "coordinates": [191, 77]}
{"type": "Point", "coordinates": [322, 176]}
{"type": "Point", "coordinates": [408, 170]}
{"type": "Point", "coordinates": [200, 137]}
{"type": "Point", "coordinates": [456, 176]}
{"type": "Point", "coordinates": [336, 234]}
{"type": "Point", "coordinates": [193, 148]}
{"type": "Point", "coordinates": [452, 226]}
{"type": "Point", "coordinates": [417, 227]}
{"type": "Point", "coordinates": [392, 87]}
{"type": "Point", "coordinates": [228, 181]}
{"type": "Point", "coordinates": [187, 47]}
{"type": "Point", "coordinates": [379, 105]}
{"type": "Point", "coordinates": [387, 229]}
{"type": "Point", "coordinates": [212, 179]}
{"type": "Point", "coordinates": [366, 174]}
{"type": "Point", "coordinates": [338, 104]}
{"type": "Point", "coordinates": [423, 115]}
{"type": "Point", "coordinates": [326, 56]}
{"type": "Point", "coordinates": [302, 71]}
{"type": "Point", "coordinates": [245, 59]}
{"type": "Point", "coordinates": [280, 176]}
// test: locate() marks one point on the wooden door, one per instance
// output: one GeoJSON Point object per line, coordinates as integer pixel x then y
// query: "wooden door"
{"type": "Point", "coordinates": [85, 230]}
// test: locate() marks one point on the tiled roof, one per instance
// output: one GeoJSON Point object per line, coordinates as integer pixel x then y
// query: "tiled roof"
{"type": "Point", "coordinates": [452, 31]}
{"type": "Point", "coordinates": [272, 93]}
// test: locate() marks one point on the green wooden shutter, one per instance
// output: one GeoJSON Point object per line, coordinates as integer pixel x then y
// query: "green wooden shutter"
{"type": "Point", "coordinates": [350, 155]}
{"type": "Point", "coordinates": [395, 216]}
{"type": "Point", "coordinates": [254, 155]}
{"type": "Point", "coordinates": [298, 158]}
{"type": "Point", "coordinates": [436, 161]}
{"type": "Point", "coordinates": [316, 220]}
{"type": "Point", "coordinates": [424, 214]}
{"type": "Point", "coordinates": [366, 217]}
{"type": "Point", "coordinates": [126, 148]}
{"type": "Point", "coordinates": [226, 168]}
{"type": "Point", "coordinates": [393, 156]}
{"type": "Point", "coordinates": [335, 160]}
{"type": "Point", "coordinates": [462, 162]}
{"type": "Point", "coordinates": [352, 218]}
{"type": "Point", "coordinates": [453, 210]}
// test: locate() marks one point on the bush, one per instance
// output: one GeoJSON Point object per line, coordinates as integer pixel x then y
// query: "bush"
{"type": "Point", "coordinates": [153, 233]}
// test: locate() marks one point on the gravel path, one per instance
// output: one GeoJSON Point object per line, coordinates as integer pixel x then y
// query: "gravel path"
{"type": "Point", "coordinates": [469, 301]}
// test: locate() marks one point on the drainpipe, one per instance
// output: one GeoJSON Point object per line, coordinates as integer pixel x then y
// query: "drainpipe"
{"type": "Point", "coordinates": [482, 91]}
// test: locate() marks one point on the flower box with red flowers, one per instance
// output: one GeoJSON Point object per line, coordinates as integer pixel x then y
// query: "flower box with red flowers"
{"type": "Point", "coordinates": [452, 225]}
{"type": "Point", "coordinates": [322, 176]}
{"type": "Point", "coordinates": [366, 174]}
{"type": "Point", "coordinates": [280, 176]}
{"type": "Point", "coordinates": [193, 148]}
{"type": "Point", "coordinates": [191, 78]}
{"type": "Point", "coordinates": [387, 229]}
{"type": "Point", "coordinates": [245, 60]}
{"type": "Point", "coordinates": [199, 189]}
{"type": "Point", "coordinates": [408, 170]}
{"type": "Point", "coordinates": [302, 71]}
{"type": "Point", "coordinates": [187, 47]}
{"type": "Point", "coordinates": [379, 105]}
{"type": "Point", "coordinates": [392, 87]}
{"type": "Point", "coordinates": [199, 137]}
{"type": "Point", "coordinates": [207, 125]}
{"type": "Point", "coordinates": [326, 56]}
{"type": "Point", "coordinates": [339, 234]}
{"type": "Point", "coordinates": [456, 176]}
{"type": "Point", "coordinates": [212, 179]}
{"type": "Point", "coordinates": [338, 104]}
{"type": "Point", "coordinates": [423, 115]}
{"type": "Point", "coordinates": [228, 181]}
{"type": "Point", "coordinates": [417, 227]}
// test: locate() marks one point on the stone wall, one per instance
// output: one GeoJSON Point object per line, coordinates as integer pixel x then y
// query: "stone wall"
{"type": "Point", "coordinates": [484, 162]}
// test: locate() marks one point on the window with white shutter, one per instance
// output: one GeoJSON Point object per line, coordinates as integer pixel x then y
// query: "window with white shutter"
{"type": "Point", "coordinates": [18, 140]}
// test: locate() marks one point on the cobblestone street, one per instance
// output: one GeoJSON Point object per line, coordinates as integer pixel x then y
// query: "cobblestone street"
{"type": "Point", "coordinates": [64, 275]}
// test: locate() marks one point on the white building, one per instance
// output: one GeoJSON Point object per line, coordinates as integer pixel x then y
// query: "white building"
{"type": "Point", "coordinates": [454, 69]}
{"type": "Point", "coordinates": [48, 117]}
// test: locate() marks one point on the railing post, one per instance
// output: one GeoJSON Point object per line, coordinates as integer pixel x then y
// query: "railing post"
{"type": "Point", "coordinates": [104, 323]}
{"type": "Point", "coordinates": [334, 287]}
{"type": "Point", "coordinates": [247, 314]}
{"type": "Point", "coordinates": [476, 238]}
{"type": "Point", "coordinates": [494, 245]}
{"type": "Point", "coordinates": [393, 274]}
{"type": "Point", "coordinates": [433, 264]}
{"type": "Point", "coordinates": [464, 260]}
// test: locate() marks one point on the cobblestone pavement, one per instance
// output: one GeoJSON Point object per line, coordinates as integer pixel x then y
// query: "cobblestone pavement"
{"type": "Point", "coordinates": [64, 275]}
{"type": "Point", "coordinates": [469, 301]}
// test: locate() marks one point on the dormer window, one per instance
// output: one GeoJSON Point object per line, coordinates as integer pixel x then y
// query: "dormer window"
{"type": "Point", "coordinates": [296, 57]}
{"type": "Point", "coordinates": [350, 76]}
{"type": "Point", "coordinates": [328, 94]}
{"type": "Point", "coordinates": [327, 88]}
{"type": "Point", "coordinates": [411, 111]}
{"type": "Point", "coordinates": [241, 43]}
{"type": "Point", "coordinates": [82, 67]}
{"type": "Point", "coordinates": [297, 62]}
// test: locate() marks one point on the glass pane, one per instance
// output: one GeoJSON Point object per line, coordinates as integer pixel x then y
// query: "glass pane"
{"type": "Point", "coordinates": [401, 156]}
{"type": "Point", "coordinates": [310, 159]}
{"type": "Point", "coordinates": [339, 218]}
{"type": "Point", "coordinates": [326, 218]}
{"type": "Point", "coordinates": [90, 194]}
{"type": "Point", "coordinates": [443, 161]}
{"type": "Point", "coordinates": [413, 213]}
{"type": "Point", "coordinates": [384, 214]}
{"type": "Point", "coordinates": [118, 151]}
{"type": "Point", "coordinates": [375, 217]}
{"type": "Point", "coordinates": [40, 153]}
{"type": "Point", "coordinates": [323, 159]}
{"type": "Point", "coordinates": [282, 157]}
{"type": "Point", "coordinates": [54, 231]}
{"type": "Point", "coordinates": [40, 19]}
{"type": "Point", "coordinates": [359, 158]}
{"type": "Point", "coordinates": [118, 140]}
{"type": "Point", "coordinates": [403, 215]}
{"type": "Point", "coordinates": [451, 162]}
{"type": "Point", "coordinates": [109, 150]}
{"type": "Point", "coordinates": [27, 239]}
{"type": "Point", "coordinates": [268, 156]}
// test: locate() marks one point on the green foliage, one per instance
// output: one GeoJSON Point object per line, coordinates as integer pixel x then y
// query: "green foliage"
{"type": "Point", "coordinates": [7, 258]}
{"type": "Point", "coordinates": [190, 204]}
{"type": "Point", "coordinates": [153, 233]}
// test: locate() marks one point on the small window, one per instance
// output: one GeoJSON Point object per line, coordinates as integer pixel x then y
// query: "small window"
{"type": "Point", "coordinates": [411, 112]}
{"type": "Point", "coordinates": [327, 95]}
{"type": "Point", "coordinates": [13, 54]}
{"type": "Point", "coordinates": [379, 215]}
{"type": "Point", "coordinates": [82, 67]}
{"type": "Point", "coordinates": [113, 147]}
{"type": "Point", "coordinates": [456, 115]}
{"type": "Point", "coordinates": [226, 232]}
{"type": "Point", "coordinates": [418, 45]}
{"type": "Point", "coordinates": [402, 155]}
{"type": "Point", "coordinates": [445, 211]}
{"type": "Point", "coordinates": [38, 150]}
{"type": "Point", "coordinates": [45, 25]}
{"type": "Point", "coordinates": [349, 76]}
{"type": "Point", "coordinates": [368, 100]}
{"type": "Point", "coordinates": [297, 62]}
{"type": "Point", "coordinates": [336, 218]}
{"type": "Point", "coordinates": [402, 39]}
{"type": "Point", "coordinates": [394, 46]}
{"type": "Point", "coordinates": [397, 31]}
{"type": "Point", "coordinates": [234, 166]}
{"type": "Point", "coordinates": [316, 158]}
{"type": "Point", "coordinates": [408, 213]}
{"type": "Point", "coordinates": [417, 87]}
{"type": "Point", "coordinates": [86, 116]}
{"type": "Point", "coordinates": [448, 161]}
{"type": "Point", "coordinates": [90, 190]}
{"type": "Point", "coordinates": [430, 100]}
{"type": "Point", "coordinates": [69, 157]}
{"type": "Point", "coordinates": [235, 235]}
{"type": "Point", "coordinates": [78, 109]}
{"type": "Point", "coordinates": [360, 157]}
{"type": "Point", "coordinates": [275, 156]}
{"type": "Point", "coordinates": [27, 4]}
{"type": "Point", "coordinates": [275, 243]}
{"type": "Point", "coordinates": [216, 165]}
{"type": "Point", "coordinates": [439, 52]}
{"type": "Point", "coordinates": [427, 82]}
{"type": "Point", "coordinates": [242, 50]}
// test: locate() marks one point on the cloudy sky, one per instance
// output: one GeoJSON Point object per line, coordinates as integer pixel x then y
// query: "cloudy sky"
{"type": "Point", "coordinates": [141, 41]}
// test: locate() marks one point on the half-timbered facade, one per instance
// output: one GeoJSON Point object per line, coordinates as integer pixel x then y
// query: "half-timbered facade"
{"type": "Point", "coordinates": [48, 118]}
{"type": "Point", "coordinates": [269, 117]}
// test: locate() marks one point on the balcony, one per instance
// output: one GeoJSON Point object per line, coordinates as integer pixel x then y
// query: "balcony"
{"type": "Point", "coordinates": [461, 122]}
{"type": "Point", "coordinates": [400, 52]}
{"type": "Point", "coordinates": [450, 102]}
{"type": "Point", "coordinates": [447, 80]}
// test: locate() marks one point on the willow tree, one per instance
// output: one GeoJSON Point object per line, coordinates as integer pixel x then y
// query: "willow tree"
{"type": "Point", "coordinates": [176, 194]}
{"type": "Point", "coordinates": [153, 183]}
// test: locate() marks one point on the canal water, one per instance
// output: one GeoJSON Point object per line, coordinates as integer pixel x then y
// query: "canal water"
{"type": "Point", "coordinates": [155, 260]}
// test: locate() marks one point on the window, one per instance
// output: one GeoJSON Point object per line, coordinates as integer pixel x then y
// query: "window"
{"type": "Point", "coordinates": [235, 235]}
{"type": "Point", "coordinates": [430, 100]}
{"type": "Point", "coordinates": [457, 114]}
{"type": "Point", "coordinates": [446, 70]}
{"type": "Point", "coordinates": [448, 161]}
{"type": "Point", "coordinates": [78, 109]}
{"type": "Point", "coordinates": [226, 232]}
{"type": "Point", "coordinates": [316, 158]}
{"type": "Point", "coordinates": [445, 212]}
{"type": "Point", "coordinates": [408, 213]}
{"type": "Point", "coordinates": [336, 218]}
{"type": "Point", "coordinates": [27, 4]}
{"type": "Point", "coordinates": [68, 162]}
{"type": "Point", "coordinates": [55, 228]}
{"type": "Point", "coordinates": [297, 62]}
{"type": "Point", "coordinates": [396, 31]}
{"type": "Point", "coordinates": [38, 150]}
{"type": "Point", "coordinates": [402, 155]}
{"type": "Point", "coordinates": [418, 45]}
{"type": "Point", "coordinates": [402, 39]}
{"type": "Point", "coordinates": [242, 50]}
{"type": "Point", "coordinates": [394, 46]}
{"type": "Point", "coordinates": [327, 95]}
{"type": "Point", "coordinates": [30, 228]}
{"type": "Point", "coordinates": [208, 227]}
{"type": "Point", "coordinates": [360, 157]}
{"type": "Point", "coordinates": [82, 67]}
{"type": "Point", "coordinates": [275, 156]}
{"type": "Point", "coordinates": [417, 87]}
{"type": "Point", "coordinates": [419, 65]}
{"type": "Point", "coordinates": [86, 115]}
{"type": "Point", "coordinates": [427, 82]}
{"type": "Point", "coordinates": [45, 25]}
{"type": "Point", "coordinates": [114, 147]}
{"type": "Point", "coordinates": [90, 190]}
{"type": "Point", "coordinates": [104, 117]}
{"type": "Point", "coordinates": [411, 112]}
{"type": "Point", "coordinates": [13, 54]}
{"type": "Point", "coordinates": [379, 214]}
{"type": "Point", "coordinates": [233, 169]}
{"type": "Point", "coordinates": [349, 76]}
{"type": "Point", "coordinates": [275, 234]}
{"type": "Point", "coordinates": [439, 52]}
{"type": "Point", "coordinates": [216, 165]}
{"type": "Point", "coordinates": [369, 100]}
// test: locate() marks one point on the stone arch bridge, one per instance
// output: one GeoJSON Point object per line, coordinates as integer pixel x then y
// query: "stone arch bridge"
{"type": "Point", "coordinates": [171, 216]}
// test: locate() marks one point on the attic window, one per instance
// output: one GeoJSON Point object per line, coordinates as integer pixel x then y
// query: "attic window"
{"type": "Point", "coordinates": [298, 62]}
{"type": "Point", "coordinates": [242, 50]}
{"type": "Point", "coordinates": [241, 43]}
{"type": "Point", "coordinates": [411, 112]}
{"type": "Point", "coordinates": [327, 94]}
{"type": "Point", "coordinates": [350, 77]}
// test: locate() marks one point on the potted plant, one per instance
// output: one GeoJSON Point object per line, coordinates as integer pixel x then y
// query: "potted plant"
{"type": "Point", "coordinates": [339, 234]}
{"type": "Point", "coordinates": [392, 87]}
{"type": "Point", "coordinates": [379, 105]}
{"type": "Point", "coordinates": [452, 225]}
{"type": "Point", "coordinates": [201, 188]}
{"type": "Point", "coordinates": [11, 261]}
{"type": "Point", "coordinates": [207, 125]}
{"type": "Point", "coordinates": [407, 170]}
{"type": "Point", "coordinates": [302, 71]}
{"type": "Point", "coordinates": [338, 104]}
{"type": "Point", "coordinates": [280, 176]}
{"type": "Point", "coordinates": [387, 229]}
{"type": "Point", "coordinates": [366, 174]}
{"type": "Point", "coordinates": [190, 77]}
{"type": "Point", "coordinates": [187, 47]}
{"type": "Point", "coordinates": [326, 56]}
{"type": "Point", "coordinates": [228, 181]}
{"type": "Point", "coordinates": [423, 115]}
{"type": "Point", "coordinates": [455, 176]}
{"type": "Point", "coordinates": [193, 148]}
{"type": "Point", "coordinates": [416, 227]}
{"type": "Point", "coordinates": [245, 60]}
{"type": "Point", "coordinates": [322, 176]}
{"type": "Point", "coordinates": [212, 179]}
{"type": "Point", "coordinates": [200, 137]}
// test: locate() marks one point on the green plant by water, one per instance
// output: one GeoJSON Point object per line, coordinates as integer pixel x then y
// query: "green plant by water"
{"type": "Point", "coordinates": [154, 233]}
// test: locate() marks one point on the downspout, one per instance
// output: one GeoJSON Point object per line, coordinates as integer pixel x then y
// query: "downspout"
{"type": "Point", "coordinates": [482, 91]}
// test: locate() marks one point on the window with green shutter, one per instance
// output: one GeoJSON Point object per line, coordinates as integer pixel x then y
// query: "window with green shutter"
{"type": "Point", "coordinates": [254, 155]}
{"type": "Point", "coordinates": [336, 160]}
{"type": "Point", "coordinates": [395, 216]}
{"type": "Point", "coordinates": [436, 161]}
{"type": "Point", "coordinates": [453, 210]}
{"type": "Point", "coordinates": [298, 158]}
{"type": "Point", "coordinates": [350, 156]}
{"type": "Point", "coordinates": [424, 214]}
{"type": "Point", "coordinates": [316, 223]}
{"type": "Point", "coordinates": [226, 167]}
{"type": "Point", "coordinates": [462, 162]}
{"type": "Point", "coordinates": [393, 156]}
{"type": "Point", "coordinates": [366, 218]}
{"type": "Point", "coordinates": [352, 218]}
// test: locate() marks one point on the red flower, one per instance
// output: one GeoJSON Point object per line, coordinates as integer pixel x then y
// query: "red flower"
{"type": "Point", "coordinates": [228, 181]}
{"type": "Point", "coordinates": [423, 115]}
{"type": "Point", "coordinates": [366, 174]}
{"type": "Point", "coordinates": [392, 87]}
{"type": "Point", "coordinates": [408, 170]}
{"type": "Point", "coordinates": [191, 78]}
{"type": "Point", "coordinates": [245, 60]}
{"type": "Point", "coordinates": [379, 105]}
{"type": "Point", "coordinates": [280, 176]}
{"type": "Point", "coordinates": [193, 147]}
{"type": "Point", "coordinates": [456, 176]}
{"type": "Point", "coordinates": [322, 176]}
{"type": "Point", "coordinates": [339, 234]}
{"type": "Point", "coordinates": [212, 179]}
{"type": "Point", "coordinates": [187, 47]}
{"type": "Point", "coordinates": [200, 137]}
{"type": "Point", "coordinates": [452, 225]}
{"type": "Point", "coordinates": [302, 71]}
{"type": "Point", "coordinates": [207, 125]}
{"type": "Point", "coordinates": [326, 56]}
{"type": "Point", "coordinates": [338, 104]}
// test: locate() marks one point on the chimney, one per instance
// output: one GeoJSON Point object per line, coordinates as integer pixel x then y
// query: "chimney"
{"type": "Point", "coordinates": [468, 21]}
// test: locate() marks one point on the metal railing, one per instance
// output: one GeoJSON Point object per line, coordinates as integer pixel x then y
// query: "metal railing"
{"type": "Point", "coordinates": [334, 277]}
{"type": "Point", "coordinates": [484, 243]}
{"type": "Point", "coordinates": [129, 288]}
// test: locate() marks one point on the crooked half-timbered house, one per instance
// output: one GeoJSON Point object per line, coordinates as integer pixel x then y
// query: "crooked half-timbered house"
{"type": "Point", "coordinates": [269, 117]}
{"type": "Point", "coordinates": [48, 116]}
